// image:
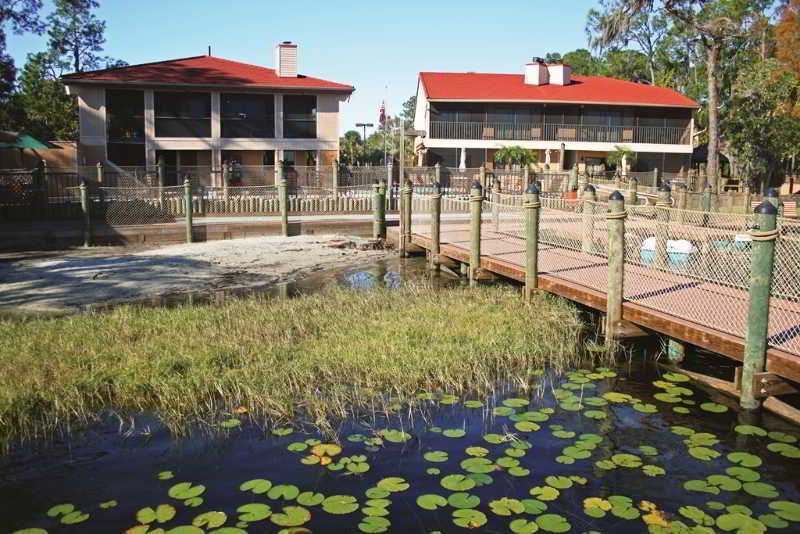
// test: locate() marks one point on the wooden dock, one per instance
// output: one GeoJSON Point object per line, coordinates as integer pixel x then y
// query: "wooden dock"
{"type": "Point", "coordinates": [701, 313]}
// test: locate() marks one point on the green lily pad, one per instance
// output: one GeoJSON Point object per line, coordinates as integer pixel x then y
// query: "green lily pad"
{"type": "Point", "coordinates": [645, 407]}
{"type": "Point", "coordinates": [681, 409]}
{"type": "Point", "coordinates": [667, 397]}
{"type": "Point", "coordinates": [358, 467]}
{"type": "Point", "coordinates": [648, 450]}
{"type": "Point", "coordinates": [285, 431]}
{"type": "Point", "coordinates": [545, 493]}
{"type": "Point", "coordinates": [786, 510]}
{"type": "Point", "coordinates": [193, 502]}
{"type": "Point", "coordinates": [162, 513]}
{"type": "Point", "coordinates": [784, 449]}
{"type": "Point", "coordinates": [457, 483]}
{"type": "Point", "coordinates": [697, 515]}
{"type": "Point", "coordinates": [448, 399]}
{"type": "Point", "coordinates": [576, 453]}
{"type": "Point", "coordinates": [433, 470]}
{"type": "Point", "coordinates": [378, 503]}
{"type": "Point", "coordinates": [502, 411]}
{"type": "Point", "coordinates": [523, 526]}
{"type": "Point", "coordinates": [185, 490]}
{"type": "Point", "coordinates": [454, 433]}
{"type": "Point", "coordinates": [745, 459]}
{"type": "Point", "coordinates": [463, 500]}
{"type": "Point", "coordinates": [526, 426]}
{"type": "Point", "coordinates": [108, 504]}
{"type": "Point", "coordinates": [395, 436]}
{"type": "Point", "coordinates": [507, 462]}
{"type": "Point", "coordinates": [724, 482]}
{"type": "Point", "coordinates": [210, 519]}
{"type": "Point", "coordinates": [374, 524]}
{"type": "Point", "coordinates": [626, 460]}
{"type": "Point", "coordinates": [558, 482]}
{"type": "Point", "coordinates": [431, 501]}
{"type": "Point", "coordinates": [165, 475]}
{"type": "Point", "coordinates": [713, 407]}
{"type": "Point", "coordinates": [700, 485]}
{"type": "Point", "coordinates": [310, 498]}
{"type": "Point", "coordinates": [741, 524]}
{"type": "Point", "coordinates": [534, 506]}
{"type": "Point", "coordinates": [340, 504]}
{"type": "Point", "coordinates": [377, 493]}
{"type": "Point", "coordinates": [595, 414]}
{"type": "Point", "coordinates": [31, 531]}
{"type": "Point", "coordinates": [773, 521]}
{"type": "Point", "coordinates": [250, 513]}
{"type": "Point", "coordinates": [518, 471]}
{"type": "Point", "coordinates": [703, 453]}
{"type": "Point", "coordinates": [469, 518]}
{"type": "Point", "coordinates": [516, 402]}
{"type": "Point", "coordinates": [782, 437]}
{"type": "Point", "coordinates": [750, 430]}
{"type": "Point", "coordinates": [477, 465]}
{"type": "Point", "coordinates": [297, 446]}
{"type": "Point", "coordinates": [477, 451]}
{"type": "Point", "coordinates": [564, 434]}
{"type": "Point", "coordinates": [230, 423]}
{"type": "Point", "coordinates": [480, 479]}
{"type": "Point", "coordinates": [435, 456]}
{"type": "Point", "coordinates": [186, 529]}
{"type": "Point", "coordinates": [73, 518]}
{"type": "Point", "coordinates": [495, 438]}
{"type": "Point", "coordinates": [742, 473]}
{"type": "Point", "coordinates": [393, 484]}
{"type": "Point", "coordinates": [760, 489]}
{"type": "Point", "coordinates": [675, 377]}
{"type": "Point", "coordinates": [60, 509]}
{"type": "Point", "coordinates": [506, 506]}
{"type": "Point", "coordinates": [283, 491]}
{"type": "Point", "coordinates": [292, 516]}
{"type": "Point", "coordinates": [653, 470]}
{"type": "Point", "coordinates": [553, 523]}
{"type": "Point", "coordinates": [473, 404]}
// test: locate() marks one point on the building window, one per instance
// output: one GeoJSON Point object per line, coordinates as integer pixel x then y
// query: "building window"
{"type": "Point", "coordinates": [183, 114]}
{"type": "Point", "coordinates": [125, 115]}
{"type": "Point", "coordinates": [244, 115]}
{"type": "Point", "coordinates": [300, 116]}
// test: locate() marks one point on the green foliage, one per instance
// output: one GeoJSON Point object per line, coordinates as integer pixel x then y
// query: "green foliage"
{"type": "Point", "coordinates": [515, 155]}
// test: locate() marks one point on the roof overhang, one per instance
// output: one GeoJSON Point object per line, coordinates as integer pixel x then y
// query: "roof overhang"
{"type": "Point", "coordinates": [538, 101]}
{"type": "Point", "coordinates": [239, 87]}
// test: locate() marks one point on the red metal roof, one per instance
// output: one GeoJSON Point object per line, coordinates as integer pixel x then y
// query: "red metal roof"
{"type": "Point", "coordinates": [582, 89]}
{"type": "Point", "coordinates": [204, 70]}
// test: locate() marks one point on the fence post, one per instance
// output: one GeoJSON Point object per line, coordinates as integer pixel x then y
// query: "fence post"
{"type": "Point", "coordinates": [475, 205]}
{"type": "Point", "coordinates": [101, 173]}
{"type": "Point", "coordinates": [616, 263]}
{"type": "Point", "coordinates": [382, 209]}
{"type": "Point", "coordinates": [662, 216]}
{"type": "Point", "coordinates": [482, 175]}
{"type": "Point", "coordinates": [389, 184]}
{"type": "Point", "coordinates": [187, 203]}
{"type": "Point", "coordinates": [40, 187]}
{"type": "Point", "coordinates": [655, 177]}
{"type": "Point", "coordinates": [589, 198]}
{"type": "Point", "coordinates": [226, 178]}
{"type": "Point", "coordinates": [283, 200]}
{"type": "Point", "coordinates": [707, 192]}
{"type": "Point", "coordinates": [335, 178]}
{"type": "Point", "coordinates": [437, 173]}
{"type": "Point", "coordinates": [496, 208]}
{"type": "Point", "coordinates": [681, 202]}
{"type": "Point", "coordinates": [87, 218]}
{"type": "Point", "coordinates": [162, 174]}
{"type": "Point", "coordinates": [526, 178]}
{"type": "Point", "coordinates": [761, 264]}
{"type": "Point", "coordinates": [436, 220]}
{"type": "Point", "coordinates": [376, 210]}
{"type": "Point", "coordinates": [633, 196]}
{"type": "Point", "coordinates": [532, 207]}
{"type": "Point", "coordinates": [405, 218]}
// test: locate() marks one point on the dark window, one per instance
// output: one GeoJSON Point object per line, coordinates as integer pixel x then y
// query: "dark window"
{"type": "Point", "coordinates": [244, 115]}
{"type": "Point", "coordinates": [125, 115]}
{"type": "Point", "coordinates": [300, 116]}
{"type": "Point", "coordinates": [183, 114]}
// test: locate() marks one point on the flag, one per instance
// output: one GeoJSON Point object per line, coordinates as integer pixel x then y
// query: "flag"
{"type": "Point", "coordinates": [382, 114]}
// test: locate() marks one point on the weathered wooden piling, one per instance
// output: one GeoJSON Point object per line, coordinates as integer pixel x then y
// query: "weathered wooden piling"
{"type": "Point", "coordinates": [283, 200]}
{"type": "Point", "coordinates": [589, 201]}
{"type": "Point", "coordinates": [532, 208]}
{"type": "Point", "coordinates": [661, 258]}
{"type": "Point", "coordinates": [405, 217]}
{"type": "Point", "coordinates": [633, 192]}
{"type": "Point", "coordinates": [762, 261]}
{"type": "Point", "coordinates": [475, 206]}
{"type": "Point", "coordinates": [382, 209]}
{"type": "Point", "coordinates": [615, 219]}
{"type": "Point", "coordinates": [187, 203]}
{"type": "Point", "coordinates": [707, 192]}
{"type": "Point", "coordinates": [377, 208]}
{"type": "Point", "coordinates": [87, 218]}
{"type": "Point", "coordinates": [436, 222]}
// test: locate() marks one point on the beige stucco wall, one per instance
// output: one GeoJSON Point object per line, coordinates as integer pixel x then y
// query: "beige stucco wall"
{"type": "Point", "coordinates": [328, 117]}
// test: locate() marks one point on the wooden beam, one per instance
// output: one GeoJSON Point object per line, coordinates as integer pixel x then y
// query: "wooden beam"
{"type": "Point", "coordinates": [769, 384]}
{"type": "Point", "coordinates": [779, 407]}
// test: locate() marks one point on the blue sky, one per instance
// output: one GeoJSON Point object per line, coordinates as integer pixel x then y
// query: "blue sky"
{"type": "Point", "coordinates": [371, 45]}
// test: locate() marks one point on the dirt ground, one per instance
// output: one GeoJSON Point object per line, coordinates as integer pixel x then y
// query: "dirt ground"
{"type": "Point", "coordinates": [69, 280]}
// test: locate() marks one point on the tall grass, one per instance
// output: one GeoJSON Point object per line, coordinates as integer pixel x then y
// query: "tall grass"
{"type": "Point", "coordinates": [319, 357]}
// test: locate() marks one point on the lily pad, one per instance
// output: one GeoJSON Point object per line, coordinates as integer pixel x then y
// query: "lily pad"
{"type": "Point", "coordinates": [210, 519]}
{"type": "Point", "coordinates": [283, 491]}
{"type": "Point", "coordinates": [523, 526]}
{"type": "Point", "coordinates": [162, 513]}
{"type": "Point", "coordinates": [653, 470]}
{"type": "Point", "coordinates": [741, 524]}
{"type": "Point", "coordinates": [477, 451]}
{"type": "Point", "coordinates": [454, 433]}
{"type": "Point", "coordinates": [469, 518]}
{"type": "Point", "coordinates": [506, 506]}
{"type": "Point", "coordinates": [760, 489]}
{"type": "Point", "coordinates": [473, 404]}
{"type": "Point", "coordinates": [713, 407]}
{"type": "Point", "coordinates": [558, 482]}
{"type": "Point", "coordinates": [477, 465]}
{"type": "Point", "coordinates": [326, 449]}
{"type": "Point", "coordinates": [73, 518]}
{"type": "Point", "coordinates": [310, 498]}
{"type": "Point", "coordinates": [516, 402]}
{"type": "Point", "coordinates": [784, 449]}
{"type": "Point", "coordinates": [782, 437]}
{"type": "Point", "coordinates": [742, 473]}
{"type": "Point", "coordinates": [374, 524]}
{"type": "Point", "coordinates": [250, 513]}
{"type": "Point", "coordinates": [750, 430]}
{"type": "Point", "coordinates": [185, 490]}
{"type": "Point", "coordinates": [745, 459]}
{"type": "Point", "coordinates": [393, 484]}
{"type": "Point", "coordinates": [553, 523]}
{"type": "Point", "coordinates": [463, 500]}
{"type": "Point", "coordinates": [230, 423]}
{"type": "Point", "coordinates": [340, 504]}
{"type": "Point", "coordinates": [703, 453]}
{"type": "Point", "coordinates": [395, 436]}
{"type": "Point", "coordinates": [545, 493]}
{"type": "Point", "coordinates": [431, 501]}
{"type": "Point", "coordinates": [435, 456]}
{"type": "Point", "coordinates": [786, 510]}
{"type": "Point", "coordinates": [457, 483]}
{"type": "Point", "coordinates": [626, 460]}
{"type": "Point", "coordinates": [291, 516]}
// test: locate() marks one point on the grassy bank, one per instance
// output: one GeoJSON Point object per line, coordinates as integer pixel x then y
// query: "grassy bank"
{"type": "Point", "coordinates": [321, 355]}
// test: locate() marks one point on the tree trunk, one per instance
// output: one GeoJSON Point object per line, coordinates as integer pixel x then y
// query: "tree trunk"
{"type": "Point", "coordinates": [712, 168]}
{"type": "Point", "coordinates": [652, 74]}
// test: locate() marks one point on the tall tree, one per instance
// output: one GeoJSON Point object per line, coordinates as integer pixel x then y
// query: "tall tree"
{"type": "Point", "coordinates": [715, 23]}
{"type": "Point", "coordinates": [409, 110]}
{"type": "Point", "coordinates": [49, 112]}
{"type": "Point", "coordinates": [18, 16]}
{"type": "Point", "coordinates": [787, 36]}
{"type": "Point", "coordinates": [76, 35]}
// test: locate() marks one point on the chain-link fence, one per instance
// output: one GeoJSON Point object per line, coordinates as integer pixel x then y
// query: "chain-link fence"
{"type": "Point", "coordinates": [784, 324]}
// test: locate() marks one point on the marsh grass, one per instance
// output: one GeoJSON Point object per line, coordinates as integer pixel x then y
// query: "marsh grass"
{"type": "Point", "coordinates": [318, 358]}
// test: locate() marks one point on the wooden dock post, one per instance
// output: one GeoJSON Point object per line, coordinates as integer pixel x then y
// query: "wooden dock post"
{"type": "Point", "coordinates": [616, 263]}
{"type": "Point", "coordinates": [437, 173]}
{"type": "Point", "coordinates": [482, 174]}
{"type": "Point", "coordinates": [532, 207]}
{"type": "Point", "coordinates": [405, 218]}
{"type": "Point", "coordinates": [496, 209]}
{"type": "Point", "coordinates": [335, 178]}
{"type": "Point", "coordinates": [762, 261]}
{"type": "Point", "coordinates": [87, 218]}
{"type": "Point", "coordinates": [475, 206]}
{"type": "Point", "coordinates": [436, 220]}
{"type": "Point", "coordinates": [661, 258]}
{"type": "Point", "coordinates": [389, 185]}
{"type": "Point", "coordinates": [633, 194]}
{"type": "Point", "coordinates": [589, 199]}
{"type": "Point", "coordinates": [382, 208]}
{"type": "Point", "coordinates": [707, 191]}
{"type": "Point", "coordinates": [283, 200]}
{"type": "Point", "coordinates": [187, 203]}
{"type": "Point", "coordinates": [377, 206]}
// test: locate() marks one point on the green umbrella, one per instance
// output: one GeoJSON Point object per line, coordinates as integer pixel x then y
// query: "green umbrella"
{"type": "Point", "coordinates": [15, 140]}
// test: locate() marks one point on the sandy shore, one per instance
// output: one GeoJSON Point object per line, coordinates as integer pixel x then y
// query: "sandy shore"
{"type": "Point", "coordinates": [69, 280]}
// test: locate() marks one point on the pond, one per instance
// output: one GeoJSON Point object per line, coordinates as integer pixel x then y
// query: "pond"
{"type": "Point", "coordinates": [623, 450]}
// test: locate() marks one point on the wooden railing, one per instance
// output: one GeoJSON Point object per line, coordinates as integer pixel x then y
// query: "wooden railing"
{"type": "Point", "coordinates": [559, 132]}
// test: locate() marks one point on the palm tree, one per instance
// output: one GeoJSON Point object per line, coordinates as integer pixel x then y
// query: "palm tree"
{"type": "Point", "coordinates": [515, 155]}
{"type": "Point", "coordinates": [620, 154]}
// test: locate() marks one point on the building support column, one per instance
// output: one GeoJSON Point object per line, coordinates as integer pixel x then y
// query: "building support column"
{"type": "Point", "coordinates": [462, 165]}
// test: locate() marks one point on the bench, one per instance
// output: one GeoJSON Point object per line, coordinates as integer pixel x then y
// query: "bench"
{"type": "Point", "coordinates": [789, 207]}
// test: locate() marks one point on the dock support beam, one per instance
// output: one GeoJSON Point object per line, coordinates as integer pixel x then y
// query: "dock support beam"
{"type": "Point", "coordinates": [762, 261]}
{"type": "Point", "coordinates": [475, 202]}
{"type": "Point", "coordinates": [532, 207]}
{"type": "Point", "coordinates": [187, 199]}
{"type": "Point", "coordinates": [283, 199]}
{"type": "Point", "coordinates": [436, 220]}
{"type": "Point", "coordinates": [616, 263]}
{"type": "Point", "coordinates": [662, 215]}
{"type": "Point", "coordinates": [405, 218]}
{"type": "Point", "coordinates": [589, 200]}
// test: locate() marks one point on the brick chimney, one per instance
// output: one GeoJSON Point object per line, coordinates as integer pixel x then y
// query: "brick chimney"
{"type": "Point", "coordinates": [536, 72]}
{"type": "Point", "coordinates": [559, 73]}
{"type": "Point", "coordinates": [286, 60]}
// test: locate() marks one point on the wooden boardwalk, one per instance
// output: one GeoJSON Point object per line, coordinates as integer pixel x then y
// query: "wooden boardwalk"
{"type": "Point", "coordinates": [699, 312]}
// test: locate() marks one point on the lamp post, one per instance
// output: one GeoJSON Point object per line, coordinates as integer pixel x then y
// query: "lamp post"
{"type": "Point", "coordinates": [364, 125]}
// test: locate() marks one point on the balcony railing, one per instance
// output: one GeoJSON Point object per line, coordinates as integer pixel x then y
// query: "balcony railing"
{"type": "Point", "coordinates": [501, 131]}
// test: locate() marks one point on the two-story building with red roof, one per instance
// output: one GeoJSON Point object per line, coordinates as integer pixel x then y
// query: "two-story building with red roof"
{"type": "Point", "coordinates": [200, 112]}
{"type": "Point", "coordinates": [567, 120]}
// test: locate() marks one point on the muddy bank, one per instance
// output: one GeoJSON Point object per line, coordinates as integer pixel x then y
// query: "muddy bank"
{"type": "Point", "coordinates": [71, 280]}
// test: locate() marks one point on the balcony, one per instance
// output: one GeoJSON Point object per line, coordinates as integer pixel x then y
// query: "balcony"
{"type": "Point", "coordinates": [500, 131]}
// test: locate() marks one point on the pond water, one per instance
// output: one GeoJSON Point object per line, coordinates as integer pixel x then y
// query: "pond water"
{"type": "Point", "coordinates": [627, 450]}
